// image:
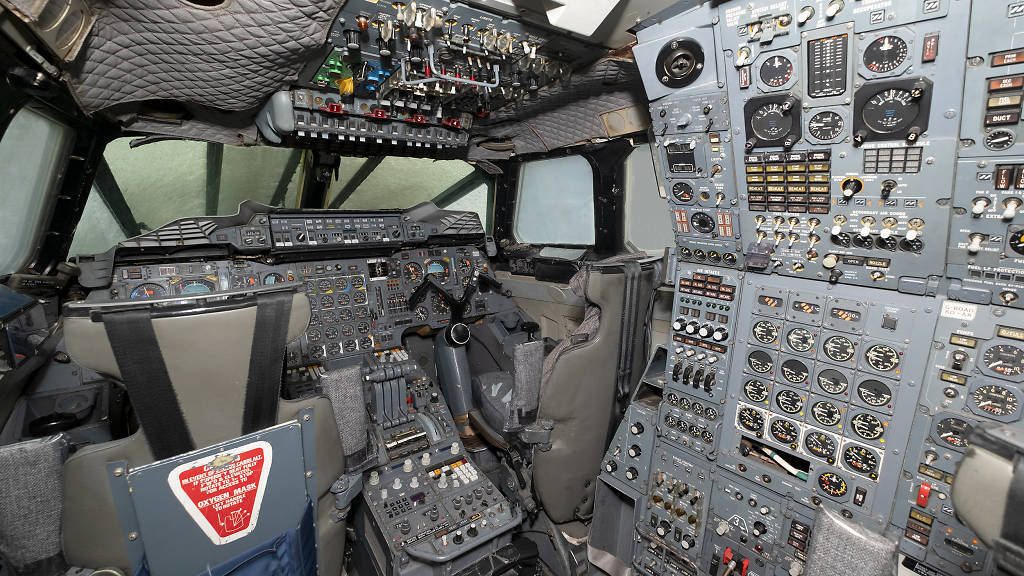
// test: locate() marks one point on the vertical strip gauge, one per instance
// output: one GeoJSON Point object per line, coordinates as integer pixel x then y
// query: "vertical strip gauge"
{"type": "Point", "coordinates": [826, 66]}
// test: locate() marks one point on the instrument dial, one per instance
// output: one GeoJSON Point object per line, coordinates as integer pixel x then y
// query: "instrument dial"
{"type": "Point", "coordinates": [832, 381]}
{"type": "Point", "coordinates": [995, 400]}
{"type": "Point", "coordinates": [820, 444]}
{"type": "Point", "coordinates": [272, 278]}
{"type": "Point", "coordinates": [867, 426]}
{"type": "Point", "coordinates": [1000, 139]}
{"type": "Point", "coordinates": [413, 272]}
{"type": "Point", "coordinates": [882, 357]}
{"type": "Point", "coordinates": [776, 71]}
{"type": "Point", "coordinates": [760, 361]}
{"type": "Point", "coordinates": [839, 348]}
{"type": "Point", "coordinates": [147, 291]}
{"type": "Point", "coordinates": [874, 393]}
{"type": "Point", "coordinates": [765, 331]}
{"type": "Point", "coordinates": [832, 484]}
{"type": "Point", "coordinates": [192, 286]}
{"type": "Point", "coordinates": [826, 413]}
{"type": "Point", "coordinates": [439, 268]}
{"type": "Point", "coordinates": [800, 339]}
{"type": "Point", "coordinates": [891, 110]}
{"type": "Point", "coordinates": [349, 346]}
{"type": "Point", "coordinates": [1016, 241]}
{"type": "Point", "coordinates": [771, 122]}
{"type": "Point", "coordinates": [1004, 359]}
{"type": "Point", "coordinates": [755, 390]}
{"type": "Point", "coordinates": [795, 371]}
{"type": "Point", "coordinates": [751, 419]}
{"type": "Point", "coordinates": [439, 305]}
{"type": "Point", "coordinates": [325, 285]}
{"type": "Point", "coordinates": [860, 459]}
{"type": "Point", "coordinates": [682, 192]}
{"type": "Point", "coordinates": [885, 54]}
{"type": "Point", "coordinates": [421, 312]}
{"type": "Point", "coordinates": [341, 284]}
{"type": "Point", "coordinates": [784, 431]}
{"type": "Point", "coordinates": [954, 432]}
{"type": "Point", "coordinates": [827, 125]}
{"type": "Point", "coordinates": [789, 401]}
{"type": "Point", "coordinates": [357, 282]}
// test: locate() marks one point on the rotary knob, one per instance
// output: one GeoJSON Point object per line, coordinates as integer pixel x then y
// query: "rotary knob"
{"type": "Point", "coordinates": [631, 473]}
{"type": "Point", "coordinates": [634, 451]}
{"type": "Point", "coordinates": [719, 334]}
{"type": "Point", "coordinates": [637, 428]}
{"type": "Point", "coordinates": [705, 331]}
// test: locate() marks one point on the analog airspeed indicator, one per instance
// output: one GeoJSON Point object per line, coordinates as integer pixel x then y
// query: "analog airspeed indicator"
{"type": "Point", "coordinates": [826, 126]}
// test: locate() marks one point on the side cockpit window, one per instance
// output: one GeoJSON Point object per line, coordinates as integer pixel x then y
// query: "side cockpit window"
{"type": "Point", "coordinates": [555, 202]}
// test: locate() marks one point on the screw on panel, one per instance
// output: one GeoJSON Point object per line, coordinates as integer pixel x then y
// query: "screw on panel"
{"type": "Point", "coordinates": [133, 536]}
{"type": "Point", "coordinates": [118, 471]}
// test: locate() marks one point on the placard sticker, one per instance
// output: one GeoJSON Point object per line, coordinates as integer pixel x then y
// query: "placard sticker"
{"type": "Point", "coordinates": [223, 493]}
{"type": "Point", "coordinates": [959, 310]}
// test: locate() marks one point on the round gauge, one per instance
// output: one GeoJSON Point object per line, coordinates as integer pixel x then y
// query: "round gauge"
{"type": "Point", "coordinates": [771, 122]}
{"type": "Point", "coordinates": [826, 413]}
{"type": "Point", "coordinates": [314, 320]}
{"type": "Point", "coordinates": [885, 54]}
{"type": "Point", "coordinates": [867, 426]}
{"type": "Point", "coordinates": [755, 390]}
{"type": "Point", "coordinates": [891, 110]}
{"type": "Point", "coordinates": [349, 346]}
{"type": "Point", "coordinates": [707, 436]}
{"type": "Point", "coordinates": [995, 399]}
{"type": "Point", "coordinates": [795, 371]}
{"type": "Point", "coordinates": [874, 393]}
{"type": "Point", "coordinates": [272, 278]}
{"type": "Point", "coordinates": [327, 301]}
{"type": "Point", "coordinates": [357, 282]}
{"type": "Point", "coordinates": [343, 299]}
{"type": "Point", "coordinates": [347, 330]}
{"type": "Point", "coordinates": [702, 222]}
{"type": "Point", "coordinates": [465, 266]}
{"type": "Point", "coordinates": [1004, 359]}
{"type": "Point", "coordinates": [325, 285]}
{"type": "Point", "coordinates": [820, 444]}
{"type": "Point", "coordinates": [362, 312]}
{"type": "Point", "coordinates": [953, 431]}
{"type": "Point", "coordinates": [345, 315]}
{"type": "Point", "coordinates": [413, 272]}
{"type": "Point", "coordinates": [682, 192]}
{"type": "Point", "coordinates": [194, 286]}
{"type": "Point", "coordinates": [832, 484]}
{"type": "Point", "coordinates": [365, 343]}
{"type": "Point", "coordinates": [697, 408]}
{"type": "Point", "coordinates": [363, 327]}
{"type": "Point", "coordinates": [839, 348]}
{"type": "Point", "coordinates": [789, 401]}
{"type": "Point", "coordinates": [671, 420]}
{"type": "Point", "coordinates": [329, 317]}
{"type": "Point", "coordinates": [776, 71]}
{"type": "Point", "coordinates": [710, 413]}
{"type": "Point", "coordinates": [438, 304]}
{"type": "Point", "coordinates": [800, 339]}
{"type": "Point", "coordinates": [1000, 139]}
{"type": "Point", "coordinates": [359, 297]}
{"type": "Point", "coordinates": [333, 348]}
{"type": "Point", "coordinates": [331, 333]}
{"type": "Point", "coordinates": [784, 431]}
{"type": "Point", "coordinates": [439, 268]}
{"type": "Point", "coordinates": [827, 125]}
{"type": "Point", "coordinates": [313, 335]}
{"type": "Point", "coordinates": [882, 357]}
{"type": "Point", "coordinates": [341, 284]}
{"type": "Point", "coordinates": [765, 331]}
{"type": "Point", "coordinates": [316, 352]}
{"type": "Point", "coordinates": [832, 381]}
{"type": "Point", "coordinates": [1016, 241]}
{"type": "Point", "coordinates": [860, 459]}
{"type": "Point", "coordinates": [751, 419]}
{"type": "Point", "coordinates": [684, 403]}
{"type": "Point", "coordinates": [760, 361]}
{"type": "Point", "coordinates": [147, 291]}
{"type": "Point", "coordinates": [421, 312]}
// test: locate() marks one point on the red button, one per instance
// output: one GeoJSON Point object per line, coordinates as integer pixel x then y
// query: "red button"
{"type": "Point", "coordinates": [922, 494]}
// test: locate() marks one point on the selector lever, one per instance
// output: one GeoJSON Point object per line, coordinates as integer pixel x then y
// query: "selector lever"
{"type": "Point", "coordinates": [1011, 205]}
{"type": "Point", "coordinates": [975, 246]}
{"type": "Point", "coordinates": [979, 205]}
{"type": "Point", "coordinates": [851, 186]}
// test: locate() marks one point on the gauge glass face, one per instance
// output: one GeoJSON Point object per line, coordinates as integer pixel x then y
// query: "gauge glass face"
{"type": "Point", "coordinates": [421, 312]}
{"type": "Point", "coordinates": [1004, 359]}
{"type": "Point", "coordinates": [147, 291]}
{"type": "Point", "coordinates": [860, 459]}
{"type": "Point", "coordinates": [839, 348]}
{"type": "Point", "coordinates": [832, 381]}
{"type": "Point", "coordinates": [357, 282]}
{"type": "Point", "coordinates": [827, 125]}
{"type": "Point", "coordinates": [325, 285]}
{"type": "Point", "coordinates": [874, 393]}
{"type": "Point", "coordinates": [272, 278]}
{"type": "Point", "coordinates": [194, 286]}
{"type": "Point", "coordinates": [867, 426]}
{"type": "Point", "coordinates": [885, 54]}
{"type": "Point", "coordinates": [751, 419]}
{"type": "Point", "coordinates": [789, 401]}
{"type": "Point", "coordinates": [770, 122]}
{"type": "Point", "coordinates": [826, 413]}
{"type": "Point", "coordinates": [776, 71]}
{"type": "Point", "coordinates": [995, 400]}
{"type": "Point", "coordinates": [413, 272]}
{"type": "Point", "coordinates": [682, 192]}
{"type": "Point", "coordinates": [820, 444]}
{"type": "Point", "coordinates": [341, 284]}
{"type": "Point", "coordinates": [832, 484]}
{"type": "Point", "coordinates": [800, 339]}
{"type": "Point", "coordinates": [760, 361]}
{"type": "Point", "coordinates": [765, 331]}
{"type": "Point", "coordinates": [349, 346]}
{"type": "Point", "coordinates": [755, 390]}
{"type": "Point", "coordinates": [795, 371]}
{"type": "Point", "coordinates": [1016, 241]}
{"type": "Point", "coordinates": [891, 110]}
{"type": "Point", "coordinates": [316, 352]}
{"type": "Point", "coordinates": [784, 431]}
{"type": "Point", "coordinates": [953, 431]}
{"type": "Point", "coordinates": [999, 139]}
{"type": "Point", "coordinates": [438, 304]}
{"type": "Point", "coordinates": [439, 268]}
{"type": "Point", "coordinates": [882, 357]}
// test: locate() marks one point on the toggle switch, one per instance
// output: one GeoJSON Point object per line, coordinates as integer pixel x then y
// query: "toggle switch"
{"type": "Point", "coordinates": [979, 205]}
{"type": "Point", "coordinates": [975, 246]}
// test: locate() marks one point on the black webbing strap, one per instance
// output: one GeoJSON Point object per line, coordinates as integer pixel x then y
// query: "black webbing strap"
{"type": "Point", "coordinates": [144, 374]}
{"type": "Point", "coordinates": [266, 361]}
{"type": "Point", "coordinates": [632, 271]}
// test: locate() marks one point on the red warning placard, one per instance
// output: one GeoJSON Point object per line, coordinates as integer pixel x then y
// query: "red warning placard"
{"type": "Point", "coordinates": [223, 493]}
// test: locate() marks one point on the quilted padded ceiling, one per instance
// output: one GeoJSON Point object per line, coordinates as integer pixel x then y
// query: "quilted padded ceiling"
{"type": "Point", "coordinates": [231, 57]}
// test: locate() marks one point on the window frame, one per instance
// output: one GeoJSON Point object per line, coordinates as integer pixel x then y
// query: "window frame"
{"type": "Point", "coordinates": [519, 199]}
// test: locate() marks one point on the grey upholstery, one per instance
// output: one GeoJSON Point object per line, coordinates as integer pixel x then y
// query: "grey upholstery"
{"type": "Point", "coordinates": [207, 358]}
{"type": "Point", "coordinates": [30, 497]}
{"type": "Point", "coordinates": [578, 389]}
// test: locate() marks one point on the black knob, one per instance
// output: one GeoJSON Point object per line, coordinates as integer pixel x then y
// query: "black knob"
{"type": "Point", "coordinates": [300, 237]}
{"type": "Point", "coordinates": [458, 537]}
{"type": "Point", "coordinates": [759, 529]}
{"type": "Point", "coordinates": [687, 542]}
{"type": "Point", "coordinates": [404, 527]}
{"type": "Point", "coordinates": [434, 514]}
{"type": "Point", "coordinates": [637, 428]}
{"type": "Point", "coordinates": [631, 473]}
{"type": "Point", "coordinates": [678, 324]}
{"type": "Point", "coordinates": [834, 276]}
{"type": "Point", "coordinates": [851, 186]}
{"type": "Point", "coordinates": [472, 532]}
{"type": "Point", "coordinates": [664, 528]}
{"type": "Point", "coordinates": [635, 451]}
{"type": "Point", "coordinates": [709, 382]}
{"type": "Point", "coordinates": [887, 187]}
{"type": "Point", "coordinates": [610, 466]}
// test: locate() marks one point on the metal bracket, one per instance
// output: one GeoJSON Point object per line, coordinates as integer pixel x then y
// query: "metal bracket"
{"type": "Point", "coordinates": [538, 434]}
{"type": "Point", "coordinates": [346, 488]}
{"type": "Point", "coordinates": [117, 475]}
